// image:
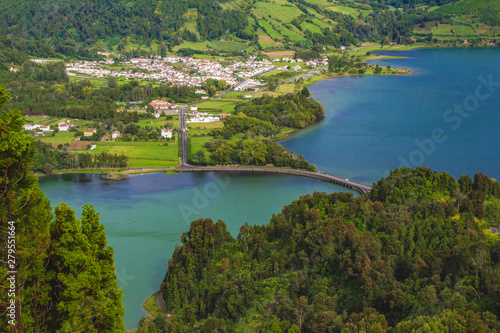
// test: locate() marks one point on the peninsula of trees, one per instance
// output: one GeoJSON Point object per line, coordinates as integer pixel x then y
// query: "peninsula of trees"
{"type": "Point", "coordinates": [411, 256]}
{"type": "Point", "coordinates": [261, 120]}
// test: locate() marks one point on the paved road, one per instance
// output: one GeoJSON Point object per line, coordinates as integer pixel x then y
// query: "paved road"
{"type": "Point", "coordinates": [161, 304]}
{"type": "Point", "coordinates": [183, 132]}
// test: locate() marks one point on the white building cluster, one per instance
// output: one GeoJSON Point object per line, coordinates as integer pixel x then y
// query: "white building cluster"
{"type": "Point", "coordinates": [248, 84]}
{"type": "Point", "coordinates": [193, 71]}
{"type": "Point", "coordinates": [200, 117]}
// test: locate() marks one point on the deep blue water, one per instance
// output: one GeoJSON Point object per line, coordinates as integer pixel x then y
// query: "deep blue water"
{"type": "Point", "coordinates": [372, 122]}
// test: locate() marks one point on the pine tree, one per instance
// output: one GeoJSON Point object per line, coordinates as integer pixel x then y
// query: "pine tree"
{"type": "Point", "coordinates": [86, 291]}
{"type": "Point", "coordinates": [65, 277]}
{"type": "Point", "coordinates": [108, 296]}
{"type": "Point", "coordinates": [24, 206]}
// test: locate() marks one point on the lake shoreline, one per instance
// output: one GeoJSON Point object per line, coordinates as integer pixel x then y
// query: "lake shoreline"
{"type": "Point", "coordinates": [121, 173]}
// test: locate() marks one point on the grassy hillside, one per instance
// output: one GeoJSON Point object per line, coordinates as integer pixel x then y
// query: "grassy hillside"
{"type": "Point", "coordinates": [484, 11]}
{"type": "Point", "coordinates": [140, 28]}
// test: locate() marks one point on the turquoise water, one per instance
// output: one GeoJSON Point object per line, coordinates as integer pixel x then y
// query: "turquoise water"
{"type": "Point", "coordinates": [145, 215]}
{"type": "Point", "coordinates": [372, 122]}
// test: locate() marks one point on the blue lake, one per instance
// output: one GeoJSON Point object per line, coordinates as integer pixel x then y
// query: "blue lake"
{"type": "Point", "coordinates": [372, 123]}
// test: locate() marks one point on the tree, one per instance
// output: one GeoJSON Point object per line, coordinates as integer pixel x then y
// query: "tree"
{"type": "Point", "coordinates": [221, 85]}
{"type": "Point", "coordinates": [132, 129]}
{"type": "Point", "coordinates": [17, 188]}
{"type": "Point", "coordinates": [86, 291]}
{"type": "Point", "coordinates": [48, 169]}
{"type": "Point", "coordinates": [253, 153]}
{"type": "Point", "coordinates": [112, 82]}
{"type": "Point", "coordinates": [305, 92]}
{"type": "Point", "coordinates": [108, 297]}
{"type": "Point", "coordinates": [65, 278]}
{"type": "Point", "coordinates": [162, 50]}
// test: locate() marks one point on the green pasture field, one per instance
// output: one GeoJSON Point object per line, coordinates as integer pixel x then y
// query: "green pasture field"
{"type": "Point", "coordinates": [209, 125]}
{"type": "Point", "coordinates": [159, 122]}
{"type": "Point", "coordinates": [142, 154]}
{"type": "Point", "coordinates": [191, 24]}
{"type": "Point", "coordinates": [320, 3]}
{"type": "Point", "coordinates": [265, 40]}
{"type": "Point", "coordinates": [323, 24]}
{"type": "Point", "coordinates": [200, 46]}
{"type": "Point", "coordinates": [348, 10]}
{"type": "Point", "coordinates": [234, 94]}
{"type": "Point", "coordinates": [213, 104]}
{"type": "Point", "coordinates": [228, 46]}
{"type": "Point", "coordinates": [311, 27]}
{"type": "Point", "coordinates": [291, 34]}
{"type": "Point", "coordinates": [198, 143]}
{"type": "Point", "coordinates": [228, 109]}
{"type": "Point", "coordinates": [59, 138]}
{"type": "Point", "coordinates": [270, 30]}
{"type": "Point", "coordinates": [278, 12]}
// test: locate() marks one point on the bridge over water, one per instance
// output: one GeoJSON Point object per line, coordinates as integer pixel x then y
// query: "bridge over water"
{"type": "Point", "coordinates": [361, 188]}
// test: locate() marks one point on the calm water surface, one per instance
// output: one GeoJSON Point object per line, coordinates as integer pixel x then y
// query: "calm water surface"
{"type": "Point", "coordinates": [371, 124]}
{"type": "Point", "coordinates": [145, 215]}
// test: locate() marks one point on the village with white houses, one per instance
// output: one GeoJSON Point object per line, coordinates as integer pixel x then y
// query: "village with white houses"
{"type": "Point", "coordinates": [188, 70]}
{"type": "Point", "coordinates": [157, 121]}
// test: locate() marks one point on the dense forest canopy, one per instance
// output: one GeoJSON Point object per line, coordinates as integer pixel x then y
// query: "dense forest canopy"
{"type": "Point", "coordinates": [261, 120]}
{"type": "Point", "coordinates": [290, 110]}
{"type": "Point", "coordinates": [411, 256]}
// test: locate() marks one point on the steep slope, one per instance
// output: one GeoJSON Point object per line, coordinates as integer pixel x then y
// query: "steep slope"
{"type": "Point", "coordinates": [413, 253]}
{"type": "Point", "coordinates": [485, 11]}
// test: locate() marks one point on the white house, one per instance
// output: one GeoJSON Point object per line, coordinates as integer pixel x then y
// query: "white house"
{"type": "Point", "coordinates": [166, 133]}
{"type": "Point", "coordinates": [194, 108]}
{"type": "Point", "coordinates": [30, 127]}
{"type": "Point", "coordinates": [115, 134]}
{"type": "Point", "coordinates": [45, 128]}
{"type": "Point", "coordinates": [64, 127]}
{"type": "Point", "coordinates": [202, 119]}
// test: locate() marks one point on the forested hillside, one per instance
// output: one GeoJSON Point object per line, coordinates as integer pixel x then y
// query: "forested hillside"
{"type": "Point", "coordinates": [80, 28]}
{"type": "Point", "coordinates": [486, 11]}
{"type": "Point", "coordinates": [411, 256]}
{"type": "Point", "coordinates": [65, 280]}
